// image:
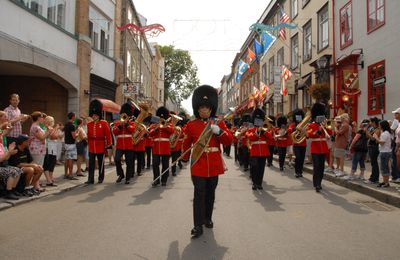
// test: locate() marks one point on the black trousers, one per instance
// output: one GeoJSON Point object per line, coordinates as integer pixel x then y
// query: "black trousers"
{"type": "Point", "coordinates": [395, 170]}
{"type": "Point", "coordinates": [271, 154]}
{"type": "Point", "coordinates": [257, 168]}
{"type": "Point", "coordinates": [318, 169]}
{"type": "Point", "coordinates": [300, 153]}
{"type": "Point", "coordinates": [227, 149]}
{"type": "Point", "coordinates": [236, 151]}
{"type": "Point", "coordinates": [157, 159]}
{"type": "Point", "coordinates": [245, 157]}
{"type": "Point", "coordinates": [139, 156]}
{"type": "Point", "coordinates": [175, 155]}
{"type": "Point", "coordinates": [282, 156]}
{"type": "Point", "coordinates": [128, 160]}
{"type": "Point", "coordinates": [373, 151]}
{"type": "Point", "coordinates": [240, 155]}
{"type": "Point", "coordinates": [204, 197]}
{"type": "Point", "coordinates": [148, 156]}
{"type": "Point", "coordinates": [92, 164]}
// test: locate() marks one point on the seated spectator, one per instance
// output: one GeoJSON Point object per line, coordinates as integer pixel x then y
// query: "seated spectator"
{"type": "Point", "coordinates": [9, 175]}
{"type": "Point", "coordinates": [32, 171]}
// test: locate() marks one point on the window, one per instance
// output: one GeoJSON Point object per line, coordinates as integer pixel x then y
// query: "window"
{"type": "Point", "coordinates": [271, 70]}
{"type": "Point", "coordinates": [305, 2]}
{"type": "Point", "coordinates": [376, 14]}
{"type": "Point", "coordinates": [307, 51]}
{"type": "Point", "coordinates": [100, 31]}
{"type": "Point", "coordinates": [346, 26]}
{"type": "Point", "coordinates": [36, 6]}
{"type": "Point", "coordinates": [52, 10]}
{"type": "Point", "coordinates": [264, 73]}
{"type": "Point", "coordinates": [376, 88]}
{"type": "Point", "coordinates": [323, 28]}
{"type": "Point", "coordinates": [279, 57]}
{"type": "Point", "coordinates": [295, 51]}
{"type": "Point", "coordinates": [294, 4]}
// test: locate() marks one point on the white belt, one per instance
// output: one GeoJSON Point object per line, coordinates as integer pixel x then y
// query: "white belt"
{"type": "Point", "coordinates": [259, 142]}
{"type": "Point", "coordinates": [161, 139]}
{"type": "Point", "coordinates": [211, 149]}
{"type": "Point", "coordinates": [318, 139]}
{"type": "Point", "coordinates": [124, 136]}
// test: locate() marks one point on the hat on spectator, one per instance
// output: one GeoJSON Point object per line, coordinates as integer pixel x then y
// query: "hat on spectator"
{"type": "Point", "coordinates": [22, 138]}
{"type": "Point", "coordinates": [397, 111]}
{"type": "Point", "coordinates": [345, 116]}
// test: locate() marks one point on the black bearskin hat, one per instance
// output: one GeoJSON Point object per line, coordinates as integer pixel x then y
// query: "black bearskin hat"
{"type": "Point", "coordinates": [127, 108]}
{"type": "Point", "coordinates": [236, 121]}
{"type": "Point", "coordinates": [318, 109]}
{"type": "Point", "coordinates": [95, 108]}
{"type": "Point", "coordinates": [246, 118]}
{"type": "Point", "coordinates": [298, 115]}
{"type": "Point", "coordinates": [273, 119]}
{"type": "Point", "coordinates": [258, 113]}
{"type": "Point", "coordinates": [162, 112]}
{"type": "Point", "coordinates": [282, 120]}
{"type": "Point", "coordinates": [205, 96]}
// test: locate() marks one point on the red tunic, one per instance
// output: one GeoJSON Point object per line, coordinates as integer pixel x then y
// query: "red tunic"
{"type": "Point", "coordinates": [160, 137]}
{"type": "Point", "coordinates": [291, 129]}
{"type": "Point", "coordinates": [235, 139]}
{"type": "Point", "coordinates": [148, 141]}
{"type": "Point", "coordinates": [99, 136]}
{"type": "Point", "coordinates": [124, 135]}
{"type": "Point", "coordinates": [318, 141]}
{"type": "Point", "coordinates": [210, 162]}
{"type": "Point", "coordinates": [140, 146]}
{"type": "Point", "coordinates": [271, 141]}
{"type": "Point", "coordinates": [281, 141]}
{"type": "Point", "coordinates": [259, 143]}
{"type": "Point", "coordinates": [178, 146]}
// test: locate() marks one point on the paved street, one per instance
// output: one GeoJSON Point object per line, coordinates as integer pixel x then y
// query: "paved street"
{"type": "Point", "coordinates": [288, 220]}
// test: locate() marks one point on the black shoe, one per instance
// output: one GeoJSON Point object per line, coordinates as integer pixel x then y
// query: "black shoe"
{"type": "Point", "coordinates": [297, 175]}
{"type": "Point", "coordinates": [281, 169]}
{"type": "Point", "coordinates": [317, 189]}
{"type": "Point", "coordinates": [10, 196]}
{"type": "Point", "coordinates": [164, 184]}
{"type": "Point", "coordinates": [245, 169]}
{"type": "Point", "coordinates": [383, 185]}
{"type": "Point", "coordinates": [100, 181]}
{"type": "Point", "coordinates": [120, 178]}
{"type": "Point", "coordinates": [72, 178]}
{"type": "Point", "coordinates": [180, 166]}
{"type": "Point", "coordinates": [209, 224]}
{"type": "Point", "coordinates": [155, 184]}
{"type": "Point", "coordinates": [260, 187]}
{"type": "Point", "coordinates": [16, 193]}
{"type": "Point", "coordinates": [89, 182]}
{"type": "Point", "coordinates": [139, 174]}
{"type": "Point", "coordinates": [27, 193]}
{"type": "Point", "coordinates": [254, 187]}
{"type": "Point", "coordinates": [196, 232]}
{"type": "Point", "coordinates": [127, 182]}
{"type": "Point", "coordinates": [173, 174]}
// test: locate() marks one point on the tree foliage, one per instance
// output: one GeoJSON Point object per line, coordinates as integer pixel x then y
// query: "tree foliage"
{"type": "Point", "coordinates": [180, 74]}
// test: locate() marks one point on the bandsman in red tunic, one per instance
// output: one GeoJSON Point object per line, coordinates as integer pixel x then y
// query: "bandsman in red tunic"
{"type": "Point", "coordinates": [206, 135]}
{"type": "Point", "coordinates": [243, 143]}
{"type": "Point", "coordinates": [258, 137]}
{"type": "Point", "coordinates": [123, 130]}
{"type": "Point", "coordinates": [99, 138]}
{"type": "Point", "coordinates": [148, 143]}
{"type": "Point", "coordinates": [299, 149]}
{"type": "Point", "coordinates": [319, 146]}
{"type": "Point", "coordinates": [161, 147]}
{"type": "Point", "coordinates": [176, 141]}
{"type": "Point", "coordinates": [282, 140]}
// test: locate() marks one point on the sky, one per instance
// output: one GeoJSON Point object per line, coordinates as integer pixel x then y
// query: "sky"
{"type": "Point", "coordinates": [213, 31]}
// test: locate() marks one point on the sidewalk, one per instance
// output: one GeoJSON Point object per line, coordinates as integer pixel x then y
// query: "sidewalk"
{"type": "Point", "coordinates": [63, 185]}
{"type": "Point", "coordinates": [389, 195]}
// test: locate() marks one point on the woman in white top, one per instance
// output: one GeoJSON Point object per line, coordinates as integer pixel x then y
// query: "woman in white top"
{"type": "Point", "coordinates": [385, 151]}
{"type": "Point", "coordinates": [50, 159]}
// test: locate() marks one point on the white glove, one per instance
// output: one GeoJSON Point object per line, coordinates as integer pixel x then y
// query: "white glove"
{"type": "Point", "coordinates": [216, 130]}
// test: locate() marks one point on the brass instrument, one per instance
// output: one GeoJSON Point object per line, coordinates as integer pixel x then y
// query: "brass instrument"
{"type": "Point", "coordinates": [140, 128]}
{"type": "Point", "coordinates": [174, 138]}
{"type": "Point", "coordinates": [327, 124]}
{"type": "Point", "coordinates": [299, 134]}
{"type": "Point", "coordinates": [267, 123]}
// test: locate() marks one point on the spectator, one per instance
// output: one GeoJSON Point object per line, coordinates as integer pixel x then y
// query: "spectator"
{"type": "Point", "coordinates": [397, 137]}
{"type": "Point", "coordinates": [37, 146]}
{"type": "Point", "coordinates": [395, 129]}
{"type": "Point", "coordinates": [60, 144]}
{"type": "Point", "coordinates": [32, 171]}
{"type": "Point", "coordinates": [373, 150]}
{"type": "Point", "coordinates": [81, 146]}
{"type": "Point", "coordinates": [341, 140]}
{"type": "Point", "coordinates": [50, 159]}
{"type": "Point", "coordinates": [359, 146]}
{"type": "Point", "coordinates": [70, 146]}
{"type": "Point", "coordinates": [15, 118]}
{"type": "Point", "coordinates": [9, 175]}
{"type": "Point", "coordinates": [385, 151]}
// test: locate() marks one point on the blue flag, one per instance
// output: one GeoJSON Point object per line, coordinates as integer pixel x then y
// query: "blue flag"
{"type": "Point", "coordinates": [267, 40]}
{"type": "Point", "coordinates": [243, 66]}
{"type": "Point", "coordinates": [258, 50]}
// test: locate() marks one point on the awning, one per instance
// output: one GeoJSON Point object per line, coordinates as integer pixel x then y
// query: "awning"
{"type": "Point", "coordinates": [304, 82]}
{"type": "Point", "coordinates": [109, 106]}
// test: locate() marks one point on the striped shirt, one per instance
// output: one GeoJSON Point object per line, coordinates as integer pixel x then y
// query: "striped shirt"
{"type": "Point", "coordinates": [13, 113]}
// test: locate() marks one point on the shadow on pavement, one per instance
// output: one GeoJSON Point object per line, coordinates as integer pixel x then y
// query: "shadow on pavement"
{"type": "Point", "coordinates": [204, 247]}
{"type": "Point", "coordinates": [108, 189]}
{"type": "Point", "coordinates": [148, 196]}
{"type": "Point", "coordinates": [269, 202]}
{"type": "Point", "coordinates": [343, 203]}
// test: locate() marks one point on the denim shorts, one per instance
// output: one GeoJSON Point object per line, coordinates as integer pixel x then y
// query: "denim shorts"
{"type": "Point", "coordinates": [70, 152]}
{"type": "Point", "coordinates": [385, 158]}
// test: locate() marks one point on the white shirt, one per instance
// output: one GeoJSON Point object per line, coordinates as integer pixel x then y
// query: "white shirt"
{"type": "Point", "coordinates": [385, 147]}
{"type": "Point", "coordinates": [395, 124]}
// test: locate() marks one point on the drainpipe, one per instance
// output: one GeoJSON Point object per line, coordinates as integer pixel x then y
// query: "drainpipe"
{"type": "Point", "coordinates": [334, 57]}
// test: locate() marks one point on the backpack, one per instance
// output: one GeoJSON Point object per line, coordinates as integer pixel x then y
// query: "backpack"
{"type": "Point", "coordinates": [362, 144]}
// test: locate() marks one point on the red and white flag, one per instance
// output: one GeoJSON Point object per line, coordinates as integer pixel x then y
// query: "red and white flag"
{"type": "Point", "coordinates": [286, 75]}
{"type": "Point", "coordinates": [284, 19]}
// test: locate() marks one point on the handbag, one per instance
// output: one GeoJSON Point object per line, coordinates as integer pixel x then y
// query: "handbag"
{"type": "Point", "coordinates": [362, 144]}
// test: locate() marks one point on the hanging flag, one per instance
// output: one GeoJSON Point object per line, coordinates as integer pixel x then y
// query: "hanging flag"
{"type": "Point", "coordinates": [284, 19]}
{"type": "Point", "coordinates": [264, 91]}
{"type": "Point", "coordinates": [258, 50]}
{"type": "Point", "coordinates": [256, 93]}
{"type": "Point", "coordinates": [242, 67]}
{"type": "Point", "coordinates": [250, 55]}
{"type": "Point", "coordinates": [267, 40]}
{"type": "Point", "coordinates": [286, 75]}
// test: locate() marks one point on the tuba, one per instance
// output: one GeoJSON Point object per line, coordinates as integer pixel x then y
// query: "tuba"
{"type": "Point", "coordinates": [140, 128]}
{"type": "Point", "coordinates": [299, 134]}
{"type": "Point", "coordinates": [174, 138]}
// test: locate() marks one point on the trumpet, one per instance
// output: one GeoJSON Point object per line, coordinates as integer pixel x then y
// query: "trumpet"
{"type": "Point", "coordinates": [326, 124]}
